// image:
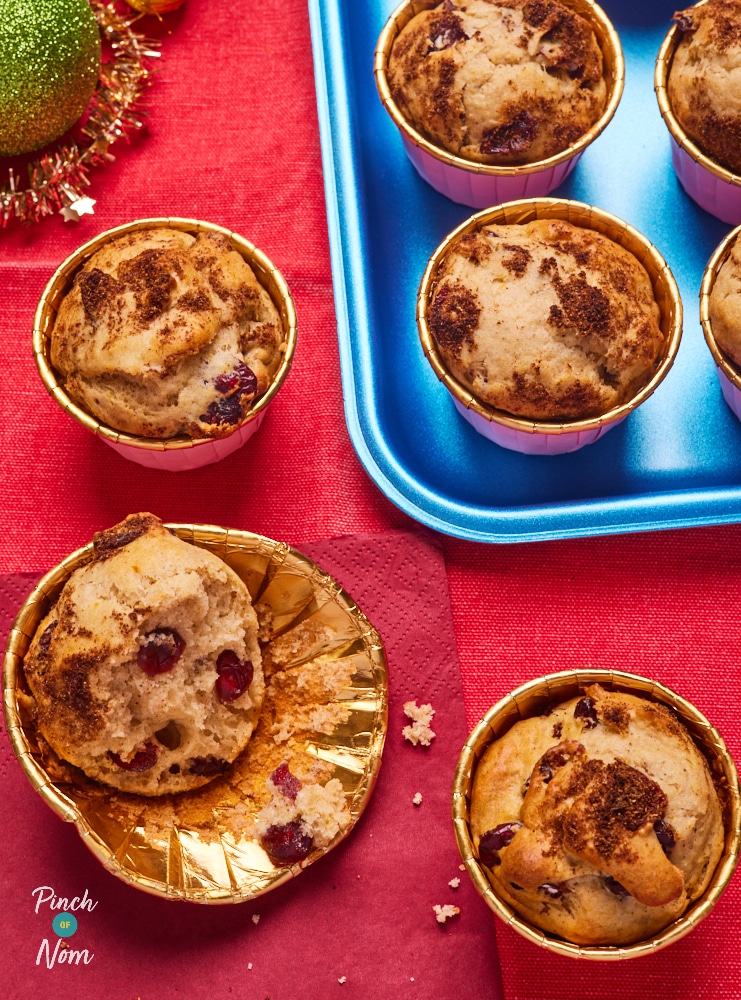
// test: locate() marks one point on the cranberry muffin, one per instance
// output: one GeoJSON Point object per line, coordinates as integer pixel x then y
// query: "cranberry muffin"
{"type": "Point", "coordinates": [501, 82]}
{"type": "Point", "coordinates": [704, 85]}
{"type": "Point", "coordinates": [598, 822]}
{"type": "Point", "coordinates": [147, 673]}
{"type": "Point", "coordinates": [164, 333]}
{"type": "Point", "coordinates": [545, 320]}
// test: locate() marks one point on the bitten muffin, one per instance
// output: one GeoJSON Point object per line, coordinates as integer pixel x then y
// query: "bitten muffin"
{"type": "Point", "coordinates": [164, 333]}
{"type": "Point", "coordinates": [724, 306]}
{"type": "Point", "coordinates": [704, 85]}
{"type": "Point", "coordinates": [503, 82]}
{"type": "Point", "coordinates": [147, 672]}
{"type": "Point", "coordinates": [545, 320]}
{"type": "Point", "coordinates": [598, 822]}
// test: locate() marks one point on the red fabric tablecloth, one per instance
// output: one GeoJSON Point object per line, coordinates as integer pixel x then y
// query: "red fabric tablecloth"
{"type": "Point", "coordinates": [233, 139]}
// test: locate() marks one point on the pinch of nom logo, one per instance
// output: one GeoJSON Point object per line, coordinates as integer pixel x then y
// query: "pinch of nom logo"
{"type": "Point", "coordinates": [64, 924]}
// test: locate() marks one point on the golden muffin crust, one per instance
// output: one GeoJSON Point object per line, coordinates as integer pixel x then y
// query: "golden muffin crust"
{"type": "Point", "coordinates": [598, 822]}
{"type": "Point", "coordinates": [147, 672]}
{"type": "Point", "coordinates": [704, 85]}
{"type": "Point", "coordinates": [499, 81]}
{"type": "Point", "coordinates": [545, 320]}
{"type": "Point", "coordinates": [724, 306]}
{"type": "Point", "coordinates": [165, 333]}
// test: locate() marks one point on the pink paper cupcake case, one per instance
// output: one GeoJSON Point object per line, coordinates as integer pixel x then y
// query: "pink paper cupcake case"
{"type": "Point", "coordinates": [535, 443]}
{"type": "Point", "coordinates": [481, 190]}
{"type": "Point", "coordinates": [184, 459]}
{"type": "Point", "coordinates": [717, 196]}
{"type": "Point", "coordinates": [731, 393]}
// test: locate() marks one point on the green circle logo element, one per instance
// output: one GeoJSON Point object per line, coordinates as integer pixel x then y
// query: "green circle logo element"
{"type": "Point", "coordinates": [64, 924]}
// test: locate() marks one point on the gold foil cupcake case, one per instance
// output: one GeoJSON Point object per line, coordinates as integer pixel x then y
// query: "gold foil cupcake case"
{"type": "Point", "coordinates": [534, 698]}
{"type": "Point", "coordinates": [197, 846]}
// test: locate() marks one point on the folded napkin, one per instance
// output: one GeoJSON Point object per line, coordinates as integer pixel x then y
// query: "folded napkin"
{"type": "Point", "coordinates": [358, 923]}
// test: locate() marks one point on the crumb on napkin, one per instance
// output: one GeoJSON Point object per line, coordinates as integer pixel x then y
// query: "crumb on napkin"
{"type": "Point", "coordinates": [417, 800]}
{"type": "Point", "coordinates": [443, 913]}
{"type": "Point", "coordinates": [419, 731]}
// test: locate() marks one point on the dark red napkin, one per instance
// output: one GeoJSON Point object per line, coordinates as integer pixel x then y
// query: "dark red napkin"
{"type": "Point", "coordinates": [358, 923]}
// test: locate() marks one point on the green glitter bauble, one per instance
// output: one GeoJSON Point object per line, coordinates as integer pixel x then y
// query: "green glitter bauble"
{"type": "Point", "coordinates": [49, 65]}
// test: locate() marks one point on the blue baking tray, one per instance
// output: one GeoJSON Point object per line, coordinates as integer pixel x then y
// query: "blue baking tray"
{"type": "Point", "coordinates": [675, 462]}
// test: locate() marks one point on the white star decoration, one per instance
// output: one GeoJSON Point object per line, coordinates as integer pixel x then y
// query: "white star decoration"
{"type": "Point", "coordinates": [73, 211]}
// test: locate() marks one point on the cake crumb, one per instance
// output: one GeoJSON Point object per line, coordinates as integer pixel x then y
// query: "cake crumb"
{"type": "Point", "coordinates": [417, 800]}
{"type": "Point", "coordinates": [419, 731]}
{"type": "Point", "coordinates": [454, 883]}
{"type": "Point", "coordinates": [322, 811]}
{"type": "Point", "coordinates": [342, 980]}
{"type": "Point", "coordinates": [249, 965]}
{"type": "Point", "coordinates": [443, 913]}
{"type": "Point", "coordinates": [461, 868]}
{"type": "Point", "coordinates": [255, 918]}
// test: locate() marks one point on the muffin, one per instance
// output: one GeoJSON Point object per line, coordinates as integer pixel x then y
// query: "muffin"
{"type": "Point", "coordinates": [704, 83]}
{"type": "Point", "coordinates": [166, 333]}
{"type": "Point", "coordinates": [720, 316]}
{"type": "Point", "coordinates": [146, 673]}
{"type": "Point", "coordinates": [502, 82]}
{"type": "Point", "coordinates": [599, 821]}
{"type": "Point", "coordinates": [724, 305]}
{"type": "Point", "coordinates": [545, 320]}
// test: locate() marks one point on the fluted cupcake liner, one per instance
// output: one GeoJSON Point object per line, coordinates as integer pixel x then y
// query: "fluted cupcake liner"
{"type": "Point", "coordinates": [181, 453]}
{"type": "Point", "coordinates": [479, 184]}
{"type": "Point", "coordinates": [534, 698]}
{"type": "Point", "coordinates": [714, 188]}
{"type": "Point", "coordinates": [544, 437]}
{"type": "Point", "coordinates": [197, 846]}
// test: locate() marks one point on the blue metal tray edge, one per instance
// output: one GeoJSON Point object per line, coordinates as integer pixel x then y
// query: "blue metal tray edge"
{"type": "Point", "coordinates": [659, 511]}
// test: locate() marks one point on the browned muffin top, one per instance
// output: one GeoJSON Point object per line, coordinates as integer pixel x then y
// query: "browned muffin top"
{"type": "Point", "coordinates": [499, 81]}
{"type": "Point", "coordinates": [545, 320]}
{"type": "Point", "coordinates": [165, 333]}
{"type": "Point", "coordinates": [704, 85]}
{"type": "Point", "coordinates": [602, 813]}
{"type": "Point", "coordinates": [597, 821]}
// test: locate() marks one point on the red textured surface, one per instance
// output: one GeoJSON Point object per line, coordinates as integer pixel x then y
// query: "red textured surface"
{"type": "Point", "coordinates": [233, 139]}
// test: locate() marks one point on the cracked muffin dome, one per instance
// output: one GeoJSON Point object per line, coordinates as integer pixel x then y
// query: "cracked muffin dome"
{"type": "Point", "coordinates": [147, 672]}
{"type": "Point", "coordinates": [599, 821]}
{"type": "Point", "coordinates": [704, 85]}
{"type": "Point", "coordinates": [164, 333]}
{"type": "Point", "coordinates": [545, 320]}
{"type": "Point", "coordinates": [502, 82]}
